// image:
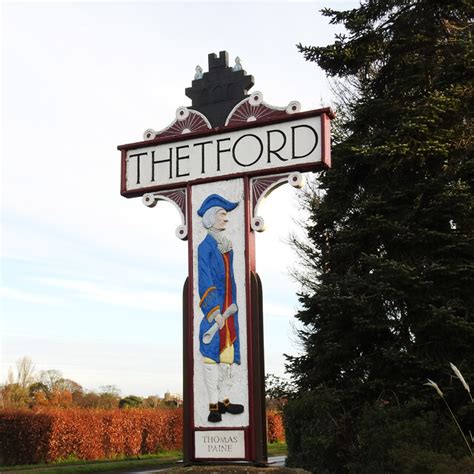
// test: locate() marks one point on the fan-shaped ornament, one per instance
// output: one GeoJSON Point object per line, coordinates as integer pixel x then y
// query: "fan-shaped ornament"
{"type": "Point", "coordinates": [187, 121]}
{"type": "Point", "coordinates": [254, 109]}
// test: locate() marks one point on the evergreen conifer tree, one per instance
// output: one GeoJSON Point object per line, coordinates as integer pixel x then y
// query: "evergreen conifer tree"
{"type": "Point", "coordinates": [388, 266]}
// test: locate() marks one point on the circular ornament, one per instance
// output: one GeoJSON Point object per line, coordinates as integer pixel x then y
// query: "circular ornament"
{"type": "Point", "coordinates": [182, 113]}
{"type": "Point", "coordinates": [149, 200]}
{"type": "Point", "coordinates": [293, 107]}
{"type": "Point", "coordinates": [256, 99]}
{"type": "Point", "coordinates": [258, 224]}
{"type": "Point", "coordinates": [149, 134]}
{"type": "Point", "coordinates": [296, 179]}
{"type": "Point", "coordinates": [181, 232]}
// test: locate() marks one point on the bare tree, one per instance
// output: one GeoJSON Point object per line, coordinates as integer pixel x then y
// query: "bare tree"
{"type": "Point", "coordinates": [25, 372]}
{"type": "Point", "coordinates": [50, 378]}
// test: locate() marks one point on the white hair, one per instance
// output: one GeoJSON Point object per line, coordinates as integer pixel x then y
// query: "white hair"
{"type": "Point", "coordinates": [209, 217]}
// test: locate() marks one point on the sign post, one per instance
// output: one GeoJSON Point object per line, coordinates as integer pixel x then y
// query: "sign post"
{"type": "Point", "coordinates": [215, 163]}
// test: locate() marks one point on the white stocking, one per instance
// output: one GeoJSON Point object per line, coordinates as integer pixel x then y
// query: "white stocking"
{"type": "Point", "coordinates": [211, 377]}
{"type": "Point", "coordinates": [225, 381]}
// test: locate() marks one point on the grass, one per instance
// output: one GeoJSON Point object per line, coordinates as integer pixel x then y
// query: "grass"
{"type": "Point", "coordinates": [72, 467]}
{"type": "Point", "coordinates": [277, 449]}
{"type": "Point", "coordinates": [168, 458]}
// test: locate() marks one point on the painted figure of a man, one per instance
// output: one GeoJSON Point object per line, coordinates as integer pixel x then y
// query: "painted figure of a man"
{"type": "Point", "coordinates": [219, 328]}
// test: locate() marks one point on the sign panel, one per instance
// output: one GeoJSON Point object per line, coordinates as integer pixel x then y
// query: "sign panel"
{"type": "Point", "coordinates": [285, 145]}
{"type": "Point", "coordinates": [229, 444]}
{"type": "Point", "coordinates": [220, 305]}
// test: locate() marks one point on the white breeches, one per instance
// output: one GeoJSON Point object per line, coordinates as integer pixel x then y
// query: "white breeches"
{"type": "Point", "coordinates": [218, 379]}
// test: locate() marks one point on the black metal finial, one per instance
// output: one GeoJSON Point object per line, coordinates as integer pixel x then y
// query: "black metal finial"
{"type": "Point", "coordinates": [218, 91]}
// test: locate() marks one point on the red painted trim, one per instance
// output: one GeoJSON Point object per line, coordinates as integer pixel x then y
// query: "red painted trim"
{"type": "Point", "coordinates": [123, 173]}
{"type": "Point", "coordinates": [249, 266]}
{"type": "Point", "coordinates": [326, 140]}
{"type": "Point", "coordinates": [217, 131]}
{"type": "Point", "coordinates": [190, 348]}
{"type": "Point", "coordinates": [264, 172]}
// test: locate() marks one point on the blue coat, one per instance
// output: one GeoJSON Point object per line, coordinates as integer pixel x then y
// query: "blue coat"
{"type": "Point", "coordinates": [212, 277]}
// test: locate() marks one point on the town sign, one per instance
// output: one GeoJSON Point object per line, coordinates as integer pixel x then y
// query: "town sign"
{"type": "Point", "coordinates": [216, 162]}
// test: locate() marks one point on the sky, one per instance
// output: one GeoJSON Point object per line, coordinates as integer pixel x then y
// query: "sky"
{"type": "Point", "coordinates": [91, 281]}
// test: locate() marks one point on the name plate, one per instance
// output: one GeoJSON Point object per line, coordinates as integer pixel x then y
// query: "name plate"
{"type": "Point", "coordinates": [220, 444]}
{"type": "Point", "coordinates": [287, 145]}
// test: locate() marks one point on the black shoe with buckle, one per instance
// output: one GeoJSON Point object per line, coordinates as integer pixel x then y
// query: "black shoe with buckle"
{"type": "Point", "coordinates": [232, 408]}
{"type": "Point", "coordinates": [214, 413]}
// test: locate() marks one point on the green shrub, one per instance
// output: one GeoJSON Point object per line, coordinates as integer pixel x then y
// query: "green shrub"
{"type": "Point", "coordinates": [325, 437]}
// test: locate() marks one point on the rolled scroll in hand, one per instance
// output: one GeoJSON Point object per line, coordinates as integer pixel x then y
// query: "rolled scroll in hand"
{"type": "Point", "coordinates": [209, 335]}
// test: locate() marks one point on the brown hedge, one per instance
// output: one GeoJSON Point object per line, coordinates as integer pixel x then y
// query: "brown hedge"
{"type": "Point", "coordinates": [23, 436]}
{"type": "Point", "coordinates": [28, 437]}
{"type": "Point", "coordinates": [275, 428]}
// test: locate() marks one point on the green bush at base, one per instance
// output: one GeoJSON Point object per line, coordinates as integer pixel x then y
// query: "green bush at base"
{"type": "Point", "coordinates": [325, 437]}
